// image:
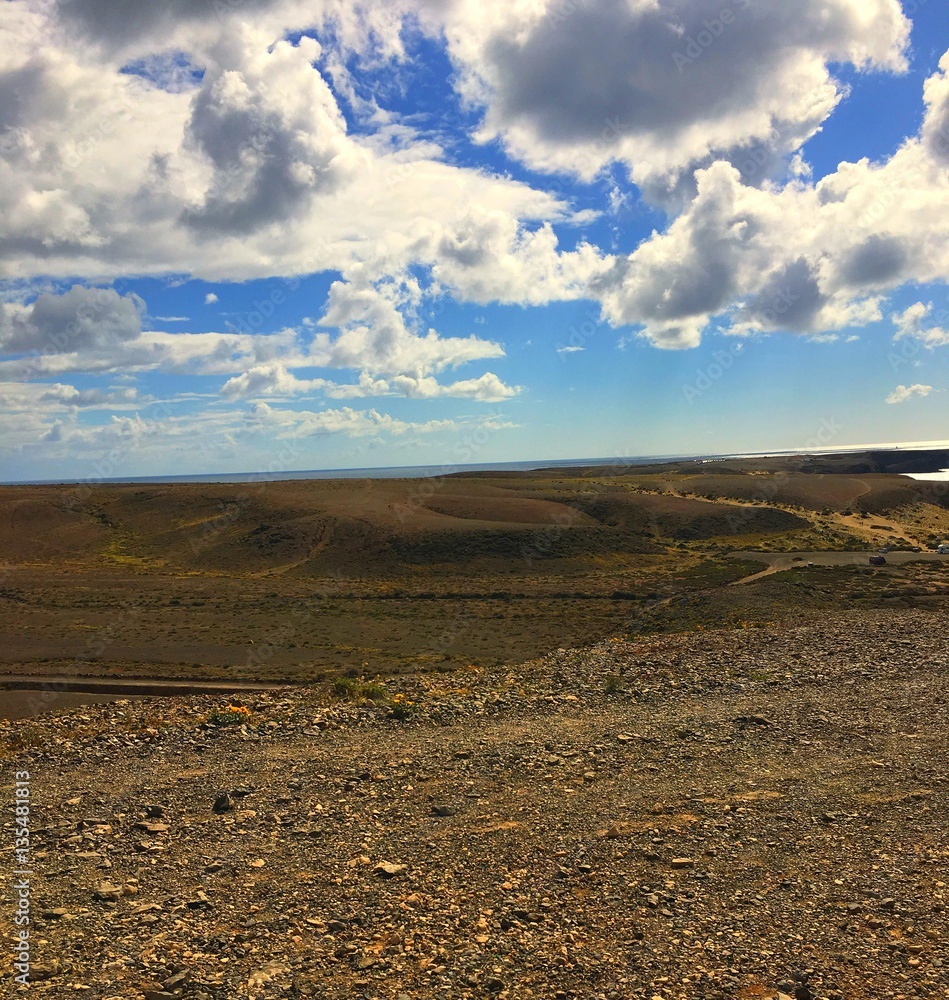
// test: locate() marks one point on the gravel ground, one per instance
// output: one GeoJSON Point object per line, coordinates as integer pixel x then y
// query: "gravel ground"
{"type": "Point", "coordinates": [734, 814]}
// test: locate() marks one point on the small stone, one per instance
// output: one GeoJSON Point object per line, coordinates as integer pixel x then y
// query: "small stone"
{"type": "Point", "coordinates": [106, 892]}
{"type": "Point", "coordinates": [888, 904]}
{"type": "Point", "coordinates": [152, 827]}
{"type": "Point", "coordinates": [386, 869]}
{"type": "Point", "coordinates": [176, 981]}
{"type": "Point", "coordinates": [47, 970]}
{"type": "Point", "coordinates": [444, 810]}
{"type": "Point", "coordinates": [154, 811]}
{"type": "Point", "coordinates": [682, 863]}
{"type": "Point", "coordinates": [222, 803]}
{"type": "Point", "coordinates": [267, 972]}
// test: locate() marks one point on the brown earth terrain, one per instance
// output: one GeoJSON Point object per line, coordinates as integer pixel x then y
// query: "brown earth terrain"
{"type": "Point", "coordinates": [724, 815]}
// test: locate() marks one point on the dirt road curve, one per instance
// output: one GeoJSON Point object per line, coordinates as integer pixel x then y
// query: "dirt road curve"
{"type": "Point", "coordinates": [778, 562]}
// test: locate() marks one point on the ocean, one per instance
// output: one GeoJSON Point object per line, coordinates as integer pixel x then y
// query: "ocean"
{"type": "Point", "coordinates": [426, 471]}
{"type": "Point", "coordinates": [390, 472]}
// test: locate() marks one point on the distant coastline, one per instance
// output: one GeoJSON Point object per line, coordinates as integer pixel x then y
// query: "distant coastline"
{"type": "Point", "coordinates": [385, 472]}
{"type": "Point", "coordinates": [941, 476]}
{"type": "Point", "coordinates": [937, 449]}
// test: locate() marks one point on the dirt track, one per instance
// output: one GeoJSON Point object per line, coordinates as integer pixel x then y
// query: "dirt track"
{"type": "Point", "coordinates": [779, 562]}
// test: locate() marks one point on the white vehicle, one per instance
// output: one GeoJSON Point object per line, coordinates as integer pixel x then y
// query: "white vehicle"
{"type": "Point", "coordinates": [943, 550]}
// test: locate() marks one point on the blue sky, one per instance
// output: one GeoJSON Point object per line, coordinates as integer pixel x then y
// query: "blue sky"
{"type": "Point", "coordinates": [316, 235]}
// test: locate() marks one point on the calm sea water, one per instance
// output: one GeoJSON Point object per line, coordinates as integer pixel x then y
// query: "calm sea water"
{"type": "Point", "coordinates": [392, 472]}
{"type": "Point", "coordinates": [941, 476]}
{"type": "Point", "coordinates": [425, 471]}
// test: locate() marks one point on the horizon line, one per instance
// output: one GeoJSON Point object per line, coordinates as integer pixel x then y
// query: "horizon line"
{"type": "Point", "coordinates": [448, 468]}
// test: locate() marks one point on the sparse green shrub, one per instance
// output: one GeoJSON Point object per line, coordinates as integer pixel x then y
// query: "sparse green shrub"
{"type": "Point", "coordinates": [401, 708]}
{"type": "Point", "coordinates": [344, 687]}
{"type": "Point", "coordinates": [613, 684]}
{"type": "Point", "coordinates": [374, 691]}
{"type": "Point", "coordinates": [233, 715]}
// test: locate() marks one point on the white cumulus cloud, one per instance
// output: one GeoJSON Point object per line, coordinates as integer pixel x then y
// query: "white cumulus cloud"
{"type": "Point", "coordinates": [910, 323]}
{"type": "Point", "coordinates": [904, 392]}
{"type": "Point", "coordinates": [806, 258]}
{"type": "Point", "coordinates": [664, 87]}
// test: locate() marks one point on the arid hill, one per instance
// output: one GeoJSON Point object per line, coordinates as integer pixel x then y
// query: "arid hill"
{"type": "Point", "coordinates": [311, 527]}
{"type": "Point", "coordinates": [305, 579]}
